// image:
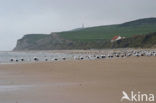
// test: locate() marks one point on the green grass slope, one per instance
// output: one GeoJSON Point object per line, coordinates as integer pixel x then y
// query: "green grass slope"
{"type": "Point", "coordinates": [31, 38]}
{"type": "Point", "coordinates": [129, 29]}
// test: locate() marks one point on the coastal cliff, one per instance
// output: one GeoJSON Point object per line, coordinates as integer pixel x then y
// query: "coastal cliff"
{"type": "Point", "coordinates": [138, 33]}
{"type": "Point", "coordinates": [41, 42]}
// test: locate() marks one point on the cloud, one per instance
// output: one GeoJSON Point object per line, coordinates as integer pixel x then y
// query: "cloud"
{"type": "Point", "coordinates": [19, 17]}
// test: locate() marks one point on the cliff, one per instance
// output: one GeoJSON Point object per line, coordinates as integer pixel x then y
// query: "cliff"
{"type": "Point", "coordinates": [93, 37]}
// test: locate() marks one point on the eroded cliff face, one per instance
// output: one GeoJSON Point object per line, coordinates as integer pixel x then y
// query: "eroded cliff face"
{"type": "Point", "coordinates": [21, 45]}
{"type": "Point", "coordinates": [94, 37]}
{"type": "Point", "coordinates": [41, 42]}
{"type": "Point", "coordinates": [55, 42]}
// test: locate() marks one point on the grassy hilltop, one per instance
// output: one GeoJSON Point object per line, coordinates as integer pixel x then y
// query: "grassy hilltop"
{"type": "Point", "coordinates": [128, 29]}
{"type": "Point", "coordinates": [90, 38]}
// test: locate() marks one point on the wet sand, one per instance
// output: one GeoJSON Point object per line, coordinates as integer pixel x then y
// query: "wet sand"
{"type": "Point", "coordinates": [95, 81]}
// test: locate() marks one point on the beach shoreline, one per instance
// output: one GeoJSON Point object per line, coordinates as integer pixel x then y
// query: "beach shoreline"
{"type": "Point", "coordinates": [68, 55]}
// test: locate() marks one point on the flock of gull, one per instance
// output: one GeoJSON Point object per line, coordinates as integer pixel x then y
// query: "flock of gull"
{"type": "Point", "coordinates": [90, 56]}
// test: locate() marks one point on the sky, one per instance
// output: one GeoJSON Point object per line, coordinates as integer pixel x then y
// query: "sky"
{"type": "Point", "coordinates": [20, 17]}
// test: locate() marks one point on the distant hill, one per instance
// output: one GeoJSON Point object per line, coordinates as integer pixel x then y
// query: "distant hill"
{"type": "Point", "coordinates": [89, 38]}
{"type": "Point", "coordinates": [128, 29]}
{"type": "Point", "coordinates": [145, 21]}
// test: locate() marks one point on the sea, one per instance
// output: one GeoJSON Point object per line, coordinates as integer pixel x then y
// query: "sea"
{"type": "Point", "coordinates": [24, 57]}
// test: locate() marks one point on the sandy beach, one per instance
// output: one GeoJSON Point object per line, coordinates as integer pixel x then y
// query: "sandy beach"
{"type": "Point", "coordinates": [94, 81]}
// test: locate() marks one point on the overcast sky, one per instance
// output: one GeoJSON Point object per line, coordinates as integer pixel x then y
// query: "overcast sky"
{"type": "Point", "coordinates": [20, 17]}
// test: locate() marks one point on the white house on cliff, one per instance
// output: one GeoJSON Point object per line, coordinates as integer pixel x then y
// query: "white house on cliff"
{"type": "Point", "coordinates": [116, 38]}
